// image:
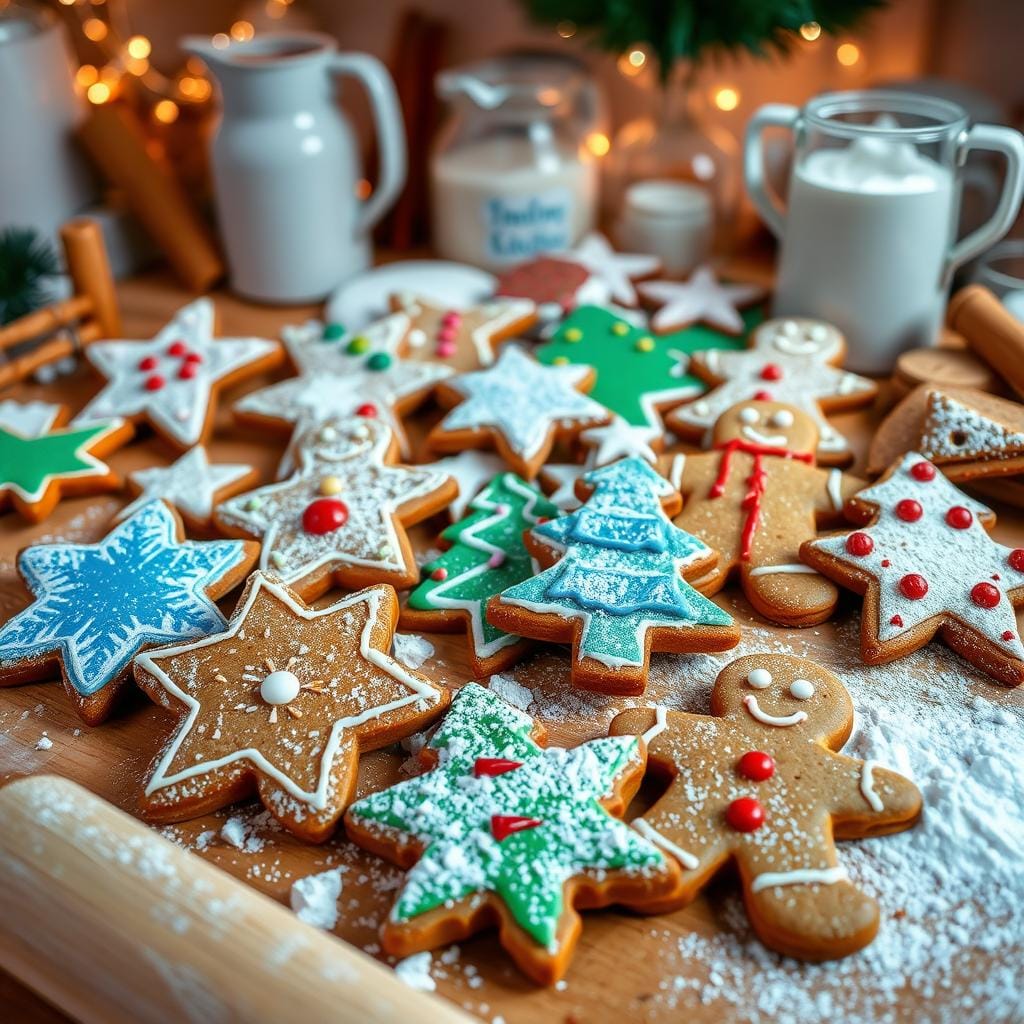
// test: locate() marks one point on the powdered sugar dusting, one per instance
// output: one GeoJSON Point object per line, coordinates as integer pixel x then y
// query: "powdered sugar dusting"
{"type": "Point", "coordinates": [415, 972]}
{"type": "Point", "coordinates": [412, 650]}
{"type": "Point", "coordinates": [315, 898]}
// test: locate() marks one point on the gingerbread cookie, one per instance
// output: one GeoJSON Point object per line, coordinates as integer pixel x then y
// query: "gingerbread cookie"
{"type": "Point", "coordinates": [754, 499]}
{"type": "Point", "coordinates": [487, 555]}
{"type": "Point", "coordinates": [37, 471]}
{"type": "Point", "coordinates": [500, 830]}
{"type": "Point", "coordinates": [701, 299]}
{"type": "Point", "coordinates": [760, 782]}
{"type": "Point", "coordinates": [340, 519]}
{"type": "Point", "coordinates": [614, 588]}
{"type": "Point", "coordinates": [31, 419]}
{"type": "Point", "coordinates": [97, 605]}
{"type": "Point", "coordinates": [193, 485]}
{"type": "Point", "coordinates": [282, 703]}
{"type": "Point", "coordinates": [791, 361]}
{"type": "Point", "coordinates": [171, 380]}
{"type": "Point", "coordinates": [615, 270]}
{"type": "Point", "coordinates": [518, 407]}
{"type": "Point", "coordinates": [470, 470]}
{"type": "Point", "coordinates": [925, 565]}
{"type": "Point", "coordinates": [555, 286]}
{"type": "Point", "coordinates": [464, 339]}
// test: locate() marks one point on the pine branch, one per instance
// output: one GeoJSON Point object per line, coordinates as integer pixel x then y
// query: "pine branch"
{"type": "Point", "coordinates": [26, 261]}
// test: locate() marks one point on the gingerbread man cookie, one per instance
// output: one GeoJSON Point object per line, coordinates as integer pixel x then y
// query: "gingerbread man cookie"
{"type": "Point", "coordinates": [755, 498]}
{"type": "Point", "coordinates": [925, 564]}
{"type": "Point", "coordinates": [760, 782]}
{"type": "Point", "coordinates": [282, 703]}
{"type": "Point", "coordinates": [792, 361]}
{"type": "Point", "coordinates": [501, 830]}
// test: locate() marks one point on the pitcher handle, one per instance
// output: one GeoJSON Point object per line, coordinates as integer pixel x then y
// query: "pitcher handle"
{"type": "Point", "coordinates": [771, 115]}
{"type": "Point", "coordinates": [1010, 143]}
{"type": "Point", "coordinates": [387, 119]}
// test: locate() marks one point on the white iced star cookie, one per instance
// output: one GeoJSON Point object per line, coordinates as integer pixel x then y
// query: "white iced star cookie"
{"type": "Point", "coordinates": [193, 485]}
{"type": "Point", "coordinates": [796, 362]}
{"type": "Point", "coordinates": [517, 406]}
{"type": "Point", "coordinates": [170, 381]}
{"type": "Point", "coordinates": [926, 564]}
{"type": "Point", "coordinates": [617, 270]}
{"type": "Point", "coordinates": [470, 470]}
{"type": "Point", "coordinates": [701, 299]}
{"type": "Point", "coordinates": [619, 440]}
{"type": "Point", "coordinates": [31, 419]}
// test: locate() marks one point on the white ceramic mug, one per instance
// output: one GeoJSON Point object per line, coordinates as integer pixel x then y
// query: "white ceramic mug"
{"type": "Point", "coordinates": [868, 237]}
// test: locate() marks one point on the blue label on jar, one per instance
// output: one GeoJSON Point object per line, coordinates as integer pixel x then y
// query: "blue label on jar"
{"type": "Point", "coordinates": [518, 227]}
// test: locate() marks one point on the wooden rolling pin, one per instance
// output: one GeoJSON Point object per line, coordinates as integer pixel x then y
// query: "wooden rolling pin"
{"type": "Point", "coordinates": [115, 925]}
{"type": "Point", "coordinates": [991, 330]}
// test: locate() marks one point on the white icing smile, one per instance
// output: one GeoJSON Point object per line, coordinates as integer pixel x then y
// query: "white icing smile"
{"type": "Point", "coordinates": [761, 716]}
{"type": "Point", "coordinates": [770, 440]}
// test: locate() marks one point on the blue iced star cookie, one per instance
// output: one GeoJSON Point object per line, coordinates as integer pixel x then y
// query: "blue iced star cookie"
{"type": "Point", "coordinates": [97, 605]}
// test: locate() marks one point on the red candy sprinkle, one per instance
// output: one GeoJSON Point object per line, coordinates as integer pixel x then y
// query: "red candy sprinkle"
{"type": "Point", "coordinates": [859, 544]}
{"type": "Point", "coordinates": [1008, 634]}
{"type": "Point", "coordinates": [886, 563]}
{"type": "Point", "coordinates": [177, 348]}
{"type": "Point", "coordinates": [193, 357]}
{"type": "Point", "coordinates": [909, 510]}
{"type": "Point", "coordinates": [896, 620]}
{"type": "Point", "coordinates": [745, 814]}
{"type": "Point", "coordinates": [505, 825]}
{"type": "Point", "coordinates": [771, 371]}
{"type": "Point", "coordinates": [492, 766]}
{"type": "Point", "coordinates": [154, 383]}
{"type": "Point", "coordinates": [757, 765]}
{"type": "Point", "coordinates": [1016, 559]}
{"type": "Point", "coordinates": [187, 371]}
{"type": "Point", "coordinates": [324, 515]}
{"type": "Point", "coordinates": [367, 409]}
{"type": "Point", "coordinates": [439, 574]}
{"type": "Point", "coordinates": [762, 396]}
{"type": "Point", "coordinates": [147, 363]}
{"type": "Point", "coordinates": [913, 586]}
{"type": "Point", "coordinates": [959, 517]}
{"type": "Point", "coordinates": [984, 595]}
{"type": "Point", "coordinates": [923, 471]}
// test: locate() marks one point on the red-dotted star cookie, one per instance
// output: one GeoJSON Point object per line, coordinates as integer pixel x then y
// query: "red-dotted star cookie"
{"type": "Point", "coordinates": [282, 703]}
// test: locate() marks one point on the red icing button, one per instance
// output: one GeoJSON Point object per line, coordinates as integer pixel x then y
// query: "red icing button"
{"type": "Point", "coordinates": [959, 517]}
{"type": "Point", "coordinates": [505, 825]}
{"type": "Point", "coordinates": [187, 371]}
{"type": "Point", "coordinates": [177, 348]}
{"type": "Point", "coordinates": [896, 620]}
{"type": "Point", "coordinates": [1016, 559]}
{"type": "Point", "coordinates": [984, 595]}
{"type": "Point", "coordinates": [745, 814]}
{"type": "Point", "coordinates": [154, 383]}
{"type": "Point", "coordinates": [923, 471]}
{"type": "Point", "coordinates": [491, 766]}
{"type": "Point", "coordinates": [367, 409]}
{"type": "Point", "coordinates": [439, 574]}
{"type": "Point", "coordinates": [147, 363]}
{"type": "Point", "coordinates": [913, 586]}
{"type": "Point", "coordinates": [886, 563]}
{"type": "Point", "coordinates": [909, 510]}
{"type": "Point", "coordinates": [859, 544]}
{"type": "Point", "coordinates": [1008, 635]}
{"type": "Point", "coordinates": [757, 765]}
{"type": "Point", "coordinates": [771, 371]}
{"type": "Point", "coordinates": [193, 357]}
{"type": "Point", "coordinates": [762, 396]}
{"type": "Point", "coordinates": [324, 515]}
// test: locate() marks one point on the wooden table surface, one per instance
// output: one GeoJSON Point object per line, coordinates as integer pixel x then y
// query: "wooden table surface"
{"type": "Point", "coordinates": [620, 967]}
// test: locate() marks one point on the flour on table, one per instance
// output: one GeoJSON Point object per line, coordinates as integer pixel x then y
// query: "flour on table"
{"type": "Point", "coordinates": [412, 649]}
{"type": "Point", "coordinates": [508, 689]}
{"type": "Point", "coordinates": [315, 898]}
{"type": "Point", "coordinates": [415, 972]}
{"type": "Point", "coordinates": [44, 743]}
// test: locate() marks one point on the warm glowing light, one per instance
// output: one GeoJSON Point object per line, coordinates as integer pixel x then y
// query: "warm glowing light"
{"type": "Point", "coordinates": [848, 54]}
{"type": "Point", "coordinates": [549, 97]}
{"type": "Point", "coordinates": [98, 92]}
{"type": "Point", "coordinates": [95, 29]}
{"type": "Point", "coordinates": [637, 58]}
{"type": "Point", "coordinates": [242, 31]}
{"type": "Point", "coordinates": [166, 112]}
{"type": "Point", "coordinates": [221, 41]}
{"type": "Point", "coordinates": [109, 75]}
{"type": "Point", "coordinates": [726, 98]}
{"type": "Point", "coordinates": [68, 3]}
{"type": "Point", "coordinates": [137, 66]}
{"type": "Point", "coordinates": [566, 29]}
{"type": "Point", "coordinates": [196, 65]}
{"type": "Point", "coordinates": [275, 9]}
{"type": "Point", "coordinates": [632, 63]}
{"type": "Point", "coordinates": [86, 75]}
{"type": "Point", "coordinates": [139, 47]}
{"type": "Point", "coordinates": [598, 143]}
{"type": "Point", "coordinates": [810, 30]}
{"type": "Point", "coordinates": [363, 189]}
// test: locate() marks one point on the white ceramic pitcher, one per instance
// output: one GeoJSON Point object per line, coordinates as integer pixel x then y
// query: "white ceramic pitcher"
{"type": "Point", "coordinates": [868, 238]}
{"type": "Point", "coordinates": [286, 166]}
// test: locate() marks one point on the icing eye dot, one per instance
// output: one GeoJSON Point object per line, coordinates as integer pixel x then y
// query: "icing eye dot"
{"type": "Point", "coordinates": [281, 687]}
{"type": "Point", "coordinates": [802, 689]}
{"type": "Point", "coordinates": [760, 678]}
{"type": "Point", "coordinates": [781, 418]}
{"type": "Point", "coordinates": [748, 415]}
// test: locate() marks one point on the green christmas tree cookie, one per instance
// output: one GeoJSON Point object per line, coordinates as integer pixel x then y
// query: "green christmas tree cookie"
{"type": "Point", "coordinates": [502, 828]}
{"type": "Point", "coordinates": [487, 556]}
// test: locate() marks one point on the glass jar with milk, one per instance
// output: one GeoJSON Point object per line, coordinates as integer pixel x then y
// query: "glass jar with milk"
{"type": "Point", "coordinates": [511, 176]}
{"type": "Point", "coordinates": [868, 232]}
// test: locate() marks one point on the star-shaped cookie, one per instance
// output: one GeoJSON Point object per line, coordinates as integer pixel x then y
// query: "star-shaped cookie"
{"type": "Point", "coordinates": [97, 605]}
{"type": "Point", "coordinates": [616, 269]}
{"type": "Point", "coordinates": [518, 407]}
{"type": "Point", "coordinates": [466, 338]}
{"type": "Point", "coordinates": [282, 703]}
{"type": "Point", "coordinates": [925, 564]}
{"type": "Point", "coordinates": [470, 470]}
{"type": "Point", "coordinates": [30, 419]}
{"type": "Point", "coordinates": [35, 472]}
{"type": "Point", "coordinates": [340, 519]}
{"type": "Point", "coordinates": [701, 299]}
{"type": "Point", "coordinates": [170, 380]}
{"type": "Point", "coordinates": [193, 485]}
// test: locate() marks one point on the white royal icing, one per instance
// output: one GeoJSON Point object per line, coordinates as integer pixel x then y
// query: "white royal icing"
{"type": "Point", "coordinates": [760, 678]}
{"type": "Point", "coordinates": [802, 876]}
{"type": "Point", "coordinates": [953, 430]}
{"type": "Point", "coordinates": [660, 724]}
{"type": "Point", "coordinates": [835, 488]}
{"type": "Point", "coordinates": [801, 689]}
{"type": "Point", "coordinates": [620, 440]}
{"type": "Point", "coordinates": [29, 419]}
{"type": "Point", "coordinates": [788, 568]}
{"type": "Point", "coordinates": [652, 835]}
{"type": "Point", "coordinates": [867, 786]}
{"type": "Point", "coordinates": [701, 299]}
{"type": "Point", "coordinates": [750, 702]}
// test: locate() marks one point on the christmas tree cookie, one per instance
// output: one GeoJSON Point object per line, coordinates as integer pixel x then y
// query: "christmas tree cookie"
{"type": "Point", "coordinates": [282, 703]}
{"type": "Point", "coordinates": [614, 587]}
{"type": "Point", "coordinates": [97, 605]}
{"type": "Point", "coordinates": [487, 555]}
{"type": "Point", "coordinates": [502, 831]}
{"type": "Point", "coordinates": [925, 564]}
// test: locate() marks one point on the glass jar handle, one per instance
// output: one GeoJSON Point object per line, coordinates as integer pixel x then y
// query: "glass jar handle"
{"type": "Point", "coordinates": [771, 115]}
{"type": "Point", "coordinates": [1009, 142]}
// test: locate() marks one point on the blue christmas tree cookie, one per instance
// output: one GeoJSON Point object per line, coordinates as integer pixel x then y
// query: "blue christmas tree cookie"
{"type": "Point", "coordinates": [97, 605]}
{"type": "Point", "coordinates": [502, 829]}
{"type": "Point", "coordinates": [614, 585]}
